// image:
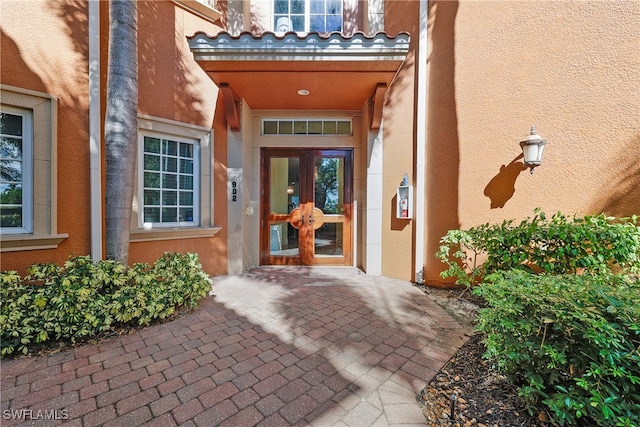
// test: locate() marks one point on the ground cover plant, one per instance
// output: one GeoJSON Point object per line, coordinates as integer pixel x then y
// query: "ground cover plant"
{"type": "Point", "coordinates": [562, 311]}
{"type": "Point", "coordinates": [81, 299]}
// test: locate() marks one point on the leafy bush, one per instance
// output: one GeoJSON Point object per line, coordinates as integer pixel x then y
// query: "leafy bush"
{"type": "Point", "coordinates": [561, 245]}
{"type": "Point", "coordinates": [563, 315]}
{"type": "Point", "coordinates": [570, 341]}
{"type": "Point", "coordinates": [82, 299]}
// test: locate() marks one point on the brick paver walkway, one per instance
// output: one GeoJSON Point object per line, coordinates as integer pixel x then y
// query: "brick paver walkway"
{"type": "Point", "coordinates": [274, 347]}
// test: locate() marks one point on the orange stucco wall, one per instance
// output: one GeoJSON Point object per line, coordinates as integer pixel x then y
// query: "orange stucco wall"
{"type": "Point", "coordinates": [571, 68]}
{"type": "Point", "coordinates": [54, 61]}
{"type": "Point", "coordinates": [45, 48]}
{"type": "Point", "coordinates": [173, 86]}
{"type": "Point", "coordinates": [398, 145]}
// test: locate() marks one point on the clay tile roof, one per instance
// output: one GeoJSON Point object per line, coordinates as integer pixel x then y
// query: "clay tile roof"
{"type": "Point", "coordinates": [293, 46]}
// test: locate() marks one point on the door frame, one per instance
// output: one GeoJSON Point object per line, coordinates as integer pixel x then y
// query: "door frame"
{"type": "Point", "coordinates": [306, 179]}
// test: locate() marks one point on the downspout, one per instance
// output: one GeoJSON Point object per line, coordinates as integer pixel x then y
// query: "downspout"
{"type": "Point", "coordinates": [95, 160]}
{"type": "Point", "coordinates": [421, 144]}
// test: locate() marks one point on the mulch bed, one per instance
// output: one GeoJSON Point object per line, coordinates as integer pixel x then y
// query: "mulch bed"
{"type": "Point", "coordinates": [467, 391]}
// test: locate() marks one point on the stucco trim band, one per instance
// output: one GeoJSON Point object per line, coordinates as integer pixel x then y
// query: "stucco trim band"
{"type": "Point", "coordinates": [30, 242]}
{"type": "Point", "coordinates": [172, 234]}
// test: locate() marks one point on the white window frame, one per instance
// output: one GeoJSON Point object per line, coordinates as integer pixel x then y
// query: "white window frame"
{"type": "Point", "coordinates": [307, 17]}
{"type": "Point", "coordinates": [27, 169]}
{"type": "Point", "coordinates": [196, 181]}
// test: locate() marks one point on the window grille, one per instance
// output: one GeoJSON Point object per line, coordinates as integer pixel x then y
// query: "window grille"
{"type": "Point", "coordinates": [306, 127]}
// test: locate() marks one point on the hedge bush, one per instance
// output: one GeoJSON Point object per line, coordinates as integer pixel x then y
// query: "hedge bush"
{"type": "Point", "coordinates": [81, 299]}
{"type": "Point", "coordinates": [563, 309]}
{"type": "Point", "coordinates": [559, 245]}
{"type": "Point", "coordinates": [571, 342]}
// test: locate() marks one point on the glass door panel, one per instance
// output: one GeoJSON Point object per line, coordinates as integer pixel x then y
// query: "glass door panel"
{"type": "Point", "coordinates": [307, 196]}
{"type": "Point", "coordinates": [329, 191]}
{"type": "Point", "coordinates": [329, 184]}
{"type": "Point", "coordinates": [328, 240]}
{"type": "Point", "coordinates": [284, 199]}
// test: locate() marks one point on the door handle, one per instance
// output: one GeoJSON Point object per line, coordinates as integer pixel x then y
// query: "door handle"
{"type": "Point", "coordinates": [302, 219]}
{"type": "Point", "coordinates": [311, 220]}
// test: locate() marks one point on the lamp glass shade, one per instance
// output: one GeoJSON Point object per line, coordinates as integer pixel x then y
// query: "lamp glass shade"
{"type": "Point", "coordinates": [540, 150]}
{"type": "Point", "coordinates": [532, 154]}
{"type": "Point", "coordinates": [532, 148]}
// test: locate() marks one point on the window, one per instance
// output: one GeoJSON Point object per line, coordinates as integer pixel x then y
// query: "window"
{"type": "Point", "coordinates": [322, 16]}
{"type": "Point", "coordinates": [16, 165]}
{"type": "Point", "coordinates": [28, 174]}
{"type": "Point", "coordinates": [170, 182]}
{"type": "Point", "coordinates": [202, 8]}
{"type": "Point", "coordinates": [174, 195]}
{"type": "Point", "coordinates": [306, 127]}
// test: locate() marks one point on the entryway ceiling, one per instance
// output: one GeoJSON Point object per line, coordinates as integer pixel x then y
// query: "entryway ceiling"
{"type": "Point", "coordinates": [267, 71]}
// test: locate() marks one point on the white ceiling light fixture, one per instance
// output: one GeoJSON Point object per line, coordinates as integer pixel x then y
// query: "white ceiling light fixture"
{"type": "Point", "coordinates": [303, 92]}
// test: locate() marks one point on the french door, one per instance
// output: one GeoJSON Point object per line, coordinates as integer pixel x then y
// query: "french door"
{"type": "Point", "coordinates": [306, 204]}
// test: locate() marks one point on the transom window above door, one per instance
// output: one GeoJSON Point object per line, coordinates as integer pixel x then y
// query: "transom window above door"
{"type": "Point", "coordinates": [306, 127]}
{"type": "Point", "coordinates": [322, 16]}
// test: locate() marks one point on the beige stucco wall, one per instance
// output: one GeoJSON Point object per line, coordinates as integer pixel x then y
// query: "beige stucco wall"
{"type": "Point", "coordinates": [399, 145]}
{"type": "Point", "coordinates": [572, 68]}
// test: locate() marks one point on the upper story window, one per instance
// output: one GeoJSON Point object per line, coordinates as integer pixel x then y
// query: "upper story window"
{"type": "Point", "coordinates": [16, 165]}
{"type": "Point", "coordinates": [202, 8]}
{"type": "Point", "coordinates": [322, 16]}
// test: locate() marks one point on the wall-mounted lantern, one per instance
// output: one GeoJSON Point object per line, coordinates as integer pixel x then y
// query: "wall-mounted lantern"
{"type": "Point", "coordinates": [532, 148]}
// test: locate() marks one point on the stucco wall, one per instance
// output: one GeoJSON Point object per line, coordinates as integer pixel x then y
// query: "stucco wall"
{"type": "Point", "coordinates": [398, 145]}
{"type": "Point", "coordinates": [45, 48]}
{"type": "Point", "coordinates": [173, 86]}
{"type": "Point", "coordinates": [54, 62]}
{"type": "Point", "coordinates": [572, 68]}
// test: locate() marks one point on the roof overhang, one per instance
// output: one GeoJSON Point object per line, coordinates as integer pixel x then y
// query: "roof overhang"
{"type": "Point", "coordinates": [339, 73]}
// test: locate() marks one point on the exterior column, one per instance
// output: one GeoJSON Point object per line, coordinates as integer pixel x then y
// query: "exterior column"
{"type": "Point", "coordinates": [242, 214]}
{"type": "Point", "coordinates": [373, 214]}
{"type": "Point", "coordinates": [421, 146]}
{"type": "Point", "coordinates": [95, 135]}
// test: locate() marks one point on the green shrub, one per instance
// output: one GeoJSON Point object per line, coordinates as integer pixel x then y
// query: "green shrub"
{"type": "Point", "coordinates": [561, 245]}
{"type": "Point", "coordinates": [174, 281]}
{"type": "Point", "coordinates": [571, 342]}
{"type": "Point", "coordinates": [82, 299]}
{"type": "Point", "coordinates": [53, 302]}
